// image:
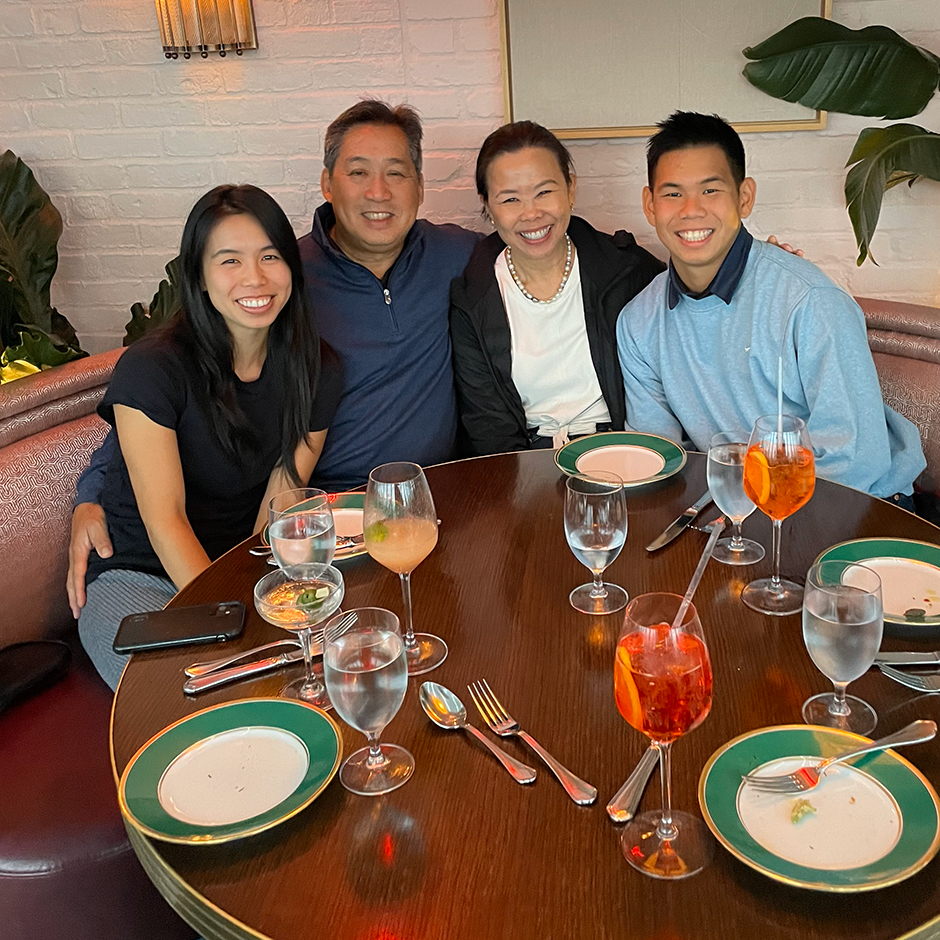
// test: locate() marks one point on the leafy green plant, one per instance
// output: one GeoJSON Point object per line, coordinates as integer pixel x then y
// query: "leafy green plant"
{"type": "Point", "coordinates": [873, 72]}
{"type": "Point", "coordinates": [30, 226]}
{"type": "Point", "coordinates": [165, 303]}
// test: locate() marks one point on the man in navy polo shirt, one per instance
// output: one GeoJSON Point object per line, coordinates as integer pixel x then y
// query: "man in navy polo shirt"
{"type": "Point", "coordinates": [379, 281]}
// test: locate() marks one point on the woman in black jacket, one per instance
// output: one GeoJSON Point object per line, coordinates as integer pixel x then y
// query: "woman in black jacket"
{"type": "Point", "coordinates": [533, 317]}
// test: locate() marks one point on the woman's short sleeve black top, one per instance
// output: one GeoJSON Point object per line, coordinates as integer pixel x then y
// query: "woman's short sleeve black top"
{"type": "Point", "coordinates": [223, 493]}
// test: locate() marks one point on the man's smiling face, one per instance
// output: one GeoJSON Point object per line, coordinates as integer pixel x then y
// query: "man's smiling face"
{"type": "Point", "coordinates": [375, 192]}
{"type": "Point", "coordinates": [696, 207]}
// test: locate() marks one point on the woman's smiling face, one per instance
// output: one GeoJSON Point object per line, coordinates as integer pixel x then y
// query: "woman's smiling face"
{"type": "Point", "coordinates": [530, 203]}
{"type": "Point", "coordinates": [247, 280]}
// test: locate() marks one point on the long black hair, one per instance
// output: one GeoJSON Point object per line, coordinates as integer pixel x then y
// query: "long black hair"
{"type": "Point", "coordinates": [293, 353]}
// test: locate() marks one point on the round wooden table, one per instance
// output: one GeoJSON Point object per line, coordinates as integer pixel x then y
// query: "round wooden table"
{"type": "Point", "coordinates": [461, 852]}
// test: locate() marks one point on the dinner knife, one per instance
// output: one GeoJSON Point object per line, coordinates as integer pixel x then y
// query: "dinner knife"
{"type": "Point", "coordinates": [221, 676]}
{"type": "Point", "coordinates": [927, 658]}
{"type": "Point", "coordinates": [680, 525]}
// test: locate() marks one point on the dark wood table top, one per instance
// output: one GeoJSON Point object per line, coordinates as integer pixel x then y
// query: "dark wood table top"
{"type": "Point", "coordinates": [461, 851]}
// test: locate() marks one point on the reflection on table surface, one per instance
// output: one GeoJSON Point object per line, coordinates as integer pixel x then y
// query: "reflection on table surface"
{"type": "Point", "coordinates": [461, 851]}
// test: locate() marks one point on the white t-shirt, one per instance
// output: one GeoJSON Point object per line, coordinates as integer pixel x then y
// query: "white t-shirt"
{"type": "Point", "coordinates": [552, 367]}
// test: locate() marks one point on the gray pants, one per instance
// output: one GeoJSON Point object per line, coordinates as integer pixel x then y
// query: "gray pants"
{"type": "Point", "coordinates": [109, 599]}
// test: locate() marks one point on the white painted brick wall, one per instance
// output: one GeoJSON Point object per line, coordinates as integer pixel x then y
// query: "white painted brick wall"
{"type": "Point", "coordinates": [125, 141]}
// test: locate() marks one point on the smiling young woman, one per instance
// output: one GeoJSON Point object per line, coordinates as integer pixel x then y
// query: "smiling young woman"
{"type": "Point", "coordinates": [225, 406]}
{"type": "Point", "coordinates": [533, 317]}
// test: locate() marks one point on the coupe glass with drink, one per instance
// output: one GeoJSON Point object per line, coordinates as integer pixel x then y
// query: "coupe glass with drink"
{"type": "Point", "coordinates": [300, 527]}
{"type": "Point", "coordinates": [367, 675]}
{"type": "Point", "coordinates": [596, 529]}
{"type": "Point", "coordinates": [725, 473]}
{"type": "Point", "coordinates": [842, 625]}
{"type": "Point", "coordinates": [663, 688]}
{"type": "Point", "coordinates": [779, 478]}
{"type": "Point", "coordinates": [400, 531]}
{"type": "Point", "coordinates": [297, 598]}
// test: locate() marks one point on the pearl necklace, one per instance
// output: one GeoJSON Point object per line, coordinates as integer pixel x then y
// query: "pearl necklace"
{"type": "Point", "coordinates": [561, 286]}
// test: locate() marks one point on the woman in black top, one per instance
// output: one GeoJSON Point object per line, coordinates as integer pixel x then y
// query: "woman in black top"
{"type": "Point", "coordinates": [533, 317]}
{"type": "Point", "coordinates": [215, 413]}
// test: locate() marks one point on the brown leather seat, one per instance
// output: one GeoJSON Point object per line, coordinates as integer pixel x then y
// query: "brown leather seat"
{"type": "Point", "coordinates": [67, 870]}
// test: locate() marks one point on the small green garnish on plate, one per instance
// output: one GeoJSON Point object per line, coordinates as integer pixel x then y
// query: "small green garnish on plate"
{"type": "Point", "coordinates": [801, 808]}
{"type": "Point", "coordinates": [915, 615]}
{"type": "Point", "coordinates": [377, 532]}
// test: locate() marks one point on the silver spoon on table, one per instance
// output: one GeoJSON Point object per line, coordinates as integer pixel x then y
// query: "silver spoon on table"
{"type": "Point", "coordinates": [448, 712]}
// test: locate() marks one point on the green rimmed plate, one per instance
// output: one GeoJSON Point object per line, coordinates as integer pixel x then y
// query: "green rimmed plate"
{"type": "Point", "coordinates": [230, 771]}
{"type": "Point", "coordinates": [635, 457]}
{"type": "Point", "coordinates": [347, 517]}
{"type": "Point", "coordinates": [869, 825]}
{"type": "Point", "coordinates": [910, 579]}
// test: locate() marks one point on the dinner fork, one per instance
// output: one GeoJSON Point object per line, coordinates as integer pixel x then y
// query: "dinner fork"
{"type": "Point", "coordinates": [912, 680]}
{"type": "Point", "coordinates": [504, 725]}
{"type": "Point", "coordinates": [807, 777]}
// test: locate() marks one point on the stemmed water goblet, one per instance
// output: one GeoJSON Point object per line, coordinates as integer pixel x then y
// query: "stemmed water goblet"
{"type": "Point", "coordinates": [366, 674]}
{"type": "Point", "coordinates": [779, 478]}
{"type": "Point", "coordinates": [843, 621]}
{"type": "Point", "coordinates": [596, 529]}
{"type": "Point", "coordinates": [300, 527]}
{"type": "Point", "coordinates": [663, 688]}
{"type": "Point", "coordinates": [726, 484]}
{"type": "Point", "coordinates": [297, 598]}
{"type": "Point", "coordinates": [400, 531]}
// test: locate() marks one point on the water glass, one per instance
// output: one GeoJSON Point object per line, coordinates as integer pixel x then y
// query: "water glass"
{"type": "Point", "coordinates": [843, 621]}
{"type": "Point", "coordinates": [300, 527]}
{"type": "Point", "coordinates": [366, 675]}
{"type": "Point", "coordinates": [596, 529]}
{"type": "Point", "coordinates": [725, 473]}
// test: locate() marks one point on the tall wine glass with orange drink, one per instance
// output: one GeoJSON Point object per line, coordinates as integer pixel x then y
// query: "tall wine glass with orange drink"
{"type": "Point", "coordinates": [663, 688]}
{"type": "Point", "coordinates": [400, 531]}
{"type": "Point", "coordinates": [779, 478]}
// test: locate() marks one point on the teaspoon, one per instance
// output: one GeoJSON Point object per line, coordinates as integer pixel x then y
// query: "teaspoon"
{"type": "Point", "coordinates": [448, 712]}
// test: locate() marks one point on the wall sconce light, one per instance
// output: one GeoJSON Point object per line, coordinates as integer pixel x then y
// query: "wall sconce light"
{"type": "Point", "coordinates": [204, 26]}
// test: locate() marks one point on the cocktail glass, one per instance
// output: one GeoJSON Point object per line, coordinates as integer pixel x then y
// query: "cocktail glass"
{"type": "Point", "coordinates": [726, 484]}
{"type": "Point", "coordinates": [596, 530]}
{"type": "Point", "coordinates": [366, 674]}
{"type": "Point", "coordinates": [663, 688]}
{"type": "Point", "coordinates": [400, 531]}
{"type": "Point", "coordinates": [300, 527]}
{"type": "Point", "coordinates": [779, 478]}
{"type": "Point", "coordinates": [843, 621]}
{"type": "Point", "coordinates": [297, 598]}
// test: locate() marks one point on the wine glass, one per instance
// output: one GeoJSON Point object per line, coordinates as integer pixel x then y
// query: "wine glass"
{"type": "Point", "coordinates": [779, 477]}
{"type": "Point", "coordinates": [366, 673]}
{"type": "Point", "coordinates": [300, 527]}
{"type": "Point", "coordinates": [296, 598]}
{"type": "Point", "coordinates": [663, 687]}
{"type": "Point", "coordinates": [842, 625]}
{"type": "Point", "coordinates": [400, 531]}
{"type": "Point", "coordinates": [596, 529]}
{"type": "Point", "coordinates": [726, 484]}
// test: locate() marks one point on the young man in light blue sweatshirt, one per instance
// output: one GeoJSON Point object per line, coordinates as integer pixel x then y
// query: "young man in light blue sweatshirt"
{"type": "Point", "coordinates": [699, 347]}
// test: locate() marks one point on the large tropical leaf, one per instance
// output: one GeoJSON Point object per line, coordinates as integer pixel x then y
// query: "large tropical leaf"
{"type": "Point", "coordinates": [825, 65]}
{"type": "Point", "coordinates": [165, 303]}
{"type": "Point", "coordinates": [30, 226]}
{"type": "Point", "coordinates": [884, 157]}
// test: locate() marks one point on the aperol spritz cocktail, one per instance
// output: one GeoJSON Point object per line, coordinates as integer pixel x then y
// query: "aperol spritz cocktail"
{"type": "Point", "coordinates": [663, 688]}
{"type": "Point", "coordinates": [779, 476]}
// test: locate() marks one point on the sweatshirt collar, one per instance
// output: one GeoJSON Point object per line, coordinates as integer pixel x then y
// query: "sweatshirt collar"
{"type": "Point", "coordinates": [724, 283]}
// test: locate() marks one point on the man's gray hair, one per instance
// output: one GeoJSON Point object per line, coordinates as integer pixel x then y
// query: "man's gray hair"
{"type": "Point", "coordinates": [373, 111]}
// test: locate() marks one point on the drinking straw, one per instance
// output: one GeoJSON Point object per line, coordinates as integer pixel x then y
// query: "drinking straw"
{"type": "Point", "coordinates": [780, 398]}
{"type": "Point", "coordinates": [717, 527]}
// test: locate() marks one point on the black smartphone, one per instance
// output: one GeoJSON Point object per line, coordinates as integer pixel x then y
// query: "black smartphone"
{"type": "Point", "coordinates": [180, 626]}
